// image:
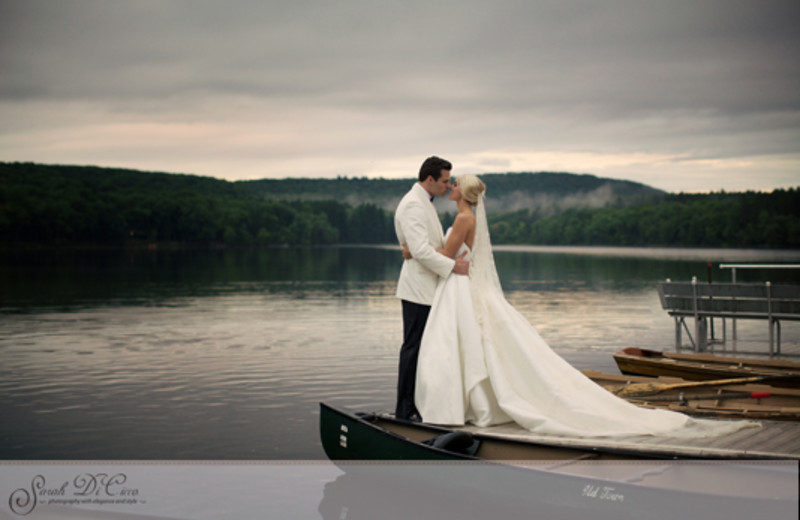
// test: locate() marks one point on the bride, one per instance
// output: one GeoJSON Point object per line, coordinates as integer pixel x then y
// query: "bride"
{"type": "Point", "coordinates": [482, 362]}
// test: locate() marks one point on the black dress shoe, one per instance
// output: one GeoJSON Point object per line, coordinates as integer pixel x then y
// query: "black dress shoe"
{"type": "Point", "coordinates": [415, 418]}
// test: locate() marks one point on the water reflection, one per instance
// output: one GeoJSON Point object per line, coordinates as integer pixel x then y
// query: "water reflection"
{"type": "Point", "coordinates": [108, 277]}
{"type": "Point", "coordinates": [602, 269]}
{"type": "Point", "coordinates": [115, 277]}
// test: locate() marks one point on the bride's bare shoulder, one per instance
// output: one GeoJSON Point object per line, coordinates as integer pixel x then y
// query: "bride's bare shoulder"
{"type": "Point", "coordinates": [464, 219]}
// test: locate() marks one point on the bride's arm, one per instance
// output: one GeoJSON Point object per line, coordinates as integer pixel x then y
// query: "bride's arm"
{"type": "Point", "coordinates": [458, 234]}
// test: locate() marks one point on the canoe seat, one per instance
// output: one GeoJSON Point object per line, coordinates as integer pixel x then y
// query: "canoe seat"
{"type": "Point", "coordinates": [457, 442]}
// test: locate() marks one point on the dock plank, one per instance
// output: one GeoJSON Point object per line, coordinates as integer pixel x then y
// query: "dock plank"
{"type": "Point", "coordinates": [786, 440]}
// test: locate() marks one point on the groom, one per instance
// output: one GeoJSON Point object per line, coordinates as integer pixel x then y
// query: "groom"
{"type": "Point", "coordinates": [417, 224]}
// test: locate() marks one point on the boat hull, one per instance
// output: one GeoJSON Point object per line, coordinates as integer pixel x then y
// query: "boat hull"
{"type": "Point", "coordinates": [350, 436]}
{"type": "Point", "coordinates": [347, 435]}
{"type": "Point", "coordinates": [703, 367]}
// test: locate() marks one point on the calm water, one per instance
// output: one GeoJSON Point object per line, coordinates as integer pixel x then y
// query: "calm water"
{"type": "Point", "coordinates": [226, 354]}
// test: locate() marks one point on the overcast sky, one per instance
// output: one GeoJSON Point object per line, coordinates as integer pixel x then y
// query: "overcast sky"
{"type": "Point", "coordinates": [689, 95]}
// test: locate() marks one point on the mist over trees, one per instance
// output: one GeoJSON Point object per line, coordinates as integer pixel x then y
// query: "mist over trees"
{"type": "Point", "coordinates": [548, 192]}
{"type": "Point", "coordinates": [81, 205]}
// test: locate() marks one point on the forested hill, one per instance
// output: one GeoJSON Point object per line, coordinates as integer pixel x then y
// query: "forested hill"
{"type": "Point", "coordinates": [66, 205]}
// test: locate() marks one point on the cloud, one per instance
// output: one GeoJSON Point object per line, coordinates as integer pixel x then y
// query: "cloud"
{"type": "Point", "coordinates": [242, 89]}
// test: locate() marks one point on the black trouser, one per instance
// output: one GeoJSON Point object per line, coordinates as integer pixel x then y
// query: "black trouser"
{"type": "Point", "coordinates": [414, 318]}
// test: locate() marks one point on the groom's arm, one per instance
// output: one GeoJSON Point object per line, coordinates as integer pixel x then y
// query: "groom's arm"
{"type": "Point", "coordinates": [457, 236]}
{"type": "Point", "coordinates": [415, 232]}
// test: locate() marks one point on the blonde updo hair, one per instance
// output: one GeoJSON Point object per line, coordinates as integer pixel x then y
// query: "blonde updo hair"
{"type": "Point", "coordinates": [471, 188]}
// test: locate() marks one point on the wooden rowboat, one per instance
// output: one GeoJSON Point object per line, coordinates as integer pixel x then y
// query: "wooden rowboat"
{"type": "Point", "coordinates": [700, 367]}
{"type": "Point", "coordinates": [474, 475]}
{"type": "Point", "coordinates": [737, 401]}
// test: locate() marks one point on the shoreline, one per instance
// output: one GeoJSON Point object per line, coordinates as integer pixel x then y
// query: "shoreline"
{"type": "Point", "coordinates": [722, 254]}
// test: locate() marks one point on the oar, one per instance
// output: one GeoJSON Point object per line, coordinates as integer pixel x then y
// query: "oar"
{"type": "Point", "coordinates": [638, 389]}
{"type": "Point", "coordinates": [703, 397]}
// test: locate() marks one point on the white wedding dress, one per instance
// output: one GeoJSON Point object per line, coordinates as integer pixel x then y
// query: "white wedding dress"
{"type": "Point", "coordinates": [482, 362]}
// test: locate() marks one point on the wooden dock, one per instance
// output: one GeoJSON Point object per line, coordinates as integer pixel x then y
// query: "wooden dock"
{"type": "Point", "coordinates": [773, 440]}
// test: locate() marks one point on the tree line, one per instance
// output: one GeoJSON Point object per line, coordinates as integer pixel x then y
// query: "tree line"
{"type": "Point", "coordinates": [750, 219]}
{"type": "Point", "coordinates": [54, 205]}
{"type": "Point", "coordinates": [86, 205]}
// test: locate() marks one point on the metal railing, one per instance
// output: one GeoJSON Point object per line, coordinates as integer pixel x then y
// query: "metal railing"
{"type": "Point", "coordinates": [734, 267]}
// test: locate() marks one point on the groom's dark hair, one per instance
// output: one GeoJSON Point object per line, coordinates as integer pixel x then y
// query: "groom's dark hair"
{"type": "Point", "coordinates": [433, 166]}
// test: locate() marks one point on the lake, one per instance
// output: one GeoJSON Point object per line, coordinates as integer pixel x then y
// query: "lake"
{"type": "Point", "coordinates": [225, 354]}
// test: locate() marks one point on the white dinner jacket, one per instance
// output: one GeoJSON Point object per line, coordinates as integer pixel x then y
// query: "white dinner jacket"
{"type": "Point", "coordinates": [417, 224]}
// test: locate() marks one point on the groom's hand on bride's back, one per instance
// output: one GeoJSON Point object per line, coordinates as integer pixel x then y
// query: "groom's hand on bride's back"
{"type": "Point", "coordinates": [461, 266]}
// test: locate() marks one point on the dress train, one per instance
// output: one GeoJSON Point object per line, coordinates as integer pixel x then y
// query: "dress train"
{"type": "Point", "coordinates": [495, 368]}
